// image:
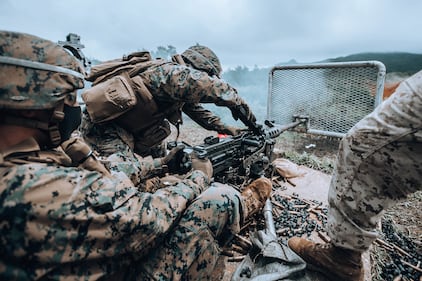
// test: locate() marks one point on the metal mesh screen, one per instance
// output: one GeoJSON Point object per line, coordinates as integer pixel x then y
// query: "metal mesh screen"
{"type": "Point", "coordinates": [334, 96]}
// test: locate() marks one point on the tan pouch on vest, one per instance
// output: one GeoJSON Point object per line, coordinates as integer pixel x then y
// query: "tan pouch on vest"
{"type": "Point", "coordinates": [109, 99]}
{"type": "Point", "coordinates": [144, 113]}
{"type": "Point", "coordinates": [153, 135]}
{"type": "Point", "coordinates": [139, 87]}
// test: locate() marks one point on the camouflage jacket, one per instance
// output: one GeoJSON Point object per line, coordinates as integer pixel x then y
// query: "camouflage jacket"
{"type": "Point", "coordinates": [170, 89]}
{"type": "Point", "coordinates": [171, 82]}
{"type": "Point", "coordinates": [60, 221]}
{"type": "Point", "coordinates": [173, 89]}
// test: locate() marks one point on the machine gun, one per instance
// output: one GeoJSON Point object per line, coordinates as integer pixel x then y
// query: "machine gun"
{"type": "Point", "coordinates": [246, 155]}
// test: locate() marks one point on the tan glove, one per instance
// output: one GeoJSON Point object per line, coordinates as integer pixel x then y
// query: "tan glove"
{"type": "Point", "coordinates": [77, 150]}
{"type": "Point", "coordinates": [203, 165]}
{"type": "Point", "coordinates": [81, 154]}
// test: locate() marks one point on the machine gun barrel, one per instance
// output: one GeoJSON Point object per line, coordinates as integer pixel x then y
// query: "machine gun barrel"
{"type": "Point", "coordinates": [276, 130]}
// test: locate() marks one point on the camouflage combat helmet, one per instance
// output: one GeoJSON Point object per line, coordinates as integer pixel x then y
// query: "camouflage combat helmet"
{"type": "Point", "coordinates": [203, 58]}
{"type": "Point", "coordinates": [36, 73]}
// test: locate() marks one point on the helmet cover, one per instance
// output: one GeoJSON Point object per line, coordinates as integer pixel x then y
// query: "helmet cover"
{"type": "Point", "coordinates": [36, 73]}
{"type": "Point", "coordinates": [203, 58]}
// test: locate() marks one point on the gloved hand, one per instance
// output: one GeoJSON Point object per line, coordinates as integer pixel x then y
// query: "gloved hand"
{"type": "Point", "coordinates": [203, 165]}
{"type": "Point", "coordinates": [81, 154]}
{"type": "Point", "coordinates": [77, 150]}
{"type": "Point", "coordinates": [230, 130]}
{"type": "Point", "coordinates": [177, 160]}
{"type": "Point", "coordinates": [244, 113]}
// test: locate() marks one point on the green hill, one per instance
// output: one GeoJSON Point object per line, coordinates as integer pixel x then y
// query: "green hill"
{"type": "Point", "coordinates": [394, 62]}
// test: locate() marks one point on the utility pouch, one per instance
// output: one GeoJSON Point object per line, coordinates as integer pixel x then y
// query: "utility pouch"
{"type": "Point", "coordinates": [110, 99]}
{"type": "Point", "coordinates": [153, 135]}
{"type": "Point", "coordinates": [144, 113]}
{"type": "Point", "coordinates": [139, 87]}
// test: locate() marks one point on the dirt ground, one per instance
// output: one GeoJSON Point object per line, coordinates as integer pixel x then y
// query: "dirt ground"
{"type": "Point", "coordinates": [406, 216]}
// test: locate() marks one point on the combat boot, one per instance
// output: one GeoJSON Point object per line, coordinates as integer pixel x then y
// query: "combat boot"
{"type": "Point", "coordinates": [255, 195]}
{"type": "Point", "coordinates": [334, 262]}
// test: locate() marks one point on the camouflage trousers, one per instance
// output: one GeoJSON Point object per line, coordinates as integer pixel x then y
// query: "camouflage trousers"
{"type": "Point", "coordinates": [379, 163]}
{"type": "Point", "coordinates": [192, 250]}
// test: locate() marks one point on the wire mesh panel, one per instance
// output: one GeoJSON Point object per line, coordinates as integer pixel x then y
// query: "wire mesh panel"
{"type": "Point", "coordinates": [333, 96]}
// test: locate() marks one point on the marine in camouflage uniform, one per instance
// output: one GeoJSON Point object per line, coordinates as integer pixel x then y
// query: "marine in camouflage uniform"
{"type": "Point", "coordinates": [65, 215]}
{"type": "Point", "coordinates": [378, 164]}
{"type": "Point", "coordinates": [175, 88]}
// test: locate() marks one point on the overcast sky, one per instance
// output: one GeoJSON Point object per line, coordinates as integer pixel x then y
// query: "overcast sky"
{"type": "Point", "coordinates": [241, 32]}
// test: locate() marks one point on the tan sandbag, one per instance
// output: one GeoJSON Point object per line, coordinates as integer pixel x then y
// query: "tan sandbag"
{"type": "Point", "coordinates": [287, 168]}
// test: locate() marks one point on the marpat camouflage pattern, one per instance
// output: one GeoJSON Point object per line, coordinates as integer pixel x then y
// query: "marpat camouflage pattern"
{"type": "Point", "coordinates": [379, 163]}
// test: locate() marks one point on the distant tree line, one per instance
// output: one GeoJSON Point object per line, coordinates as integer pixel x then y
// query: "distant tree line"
{"type": "Point", "coordinates": [394, 62]}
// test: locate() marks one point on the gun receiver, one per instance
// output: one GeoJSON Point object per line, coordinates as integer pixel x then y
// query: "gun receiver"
{"type": "Point", "coordinates": [248, 154]}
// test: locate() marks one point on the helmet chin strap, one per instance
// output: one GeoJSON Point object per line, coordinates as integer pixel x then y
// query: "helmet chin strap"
{"type": "Point", "coordinates": [53, 129]}
{"type": "Point", "coordinates": [52, 126]}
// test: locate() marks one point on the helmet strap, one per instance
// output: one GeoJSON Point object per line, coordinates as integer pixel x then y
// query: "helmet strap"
{"type": "Point", "coordinates": [58, 113]}
{"type": "Point", "coordinates": [54, 133]}
{"type": "Point", "coordinates": [25, 122]}
{"type": "Point", "coordinates": [52, 126]}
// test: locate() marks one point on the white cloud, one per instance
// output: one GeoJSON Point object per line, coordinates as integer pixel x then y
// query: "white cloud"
{"type": "Point", "coordinates": [241, 32]}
